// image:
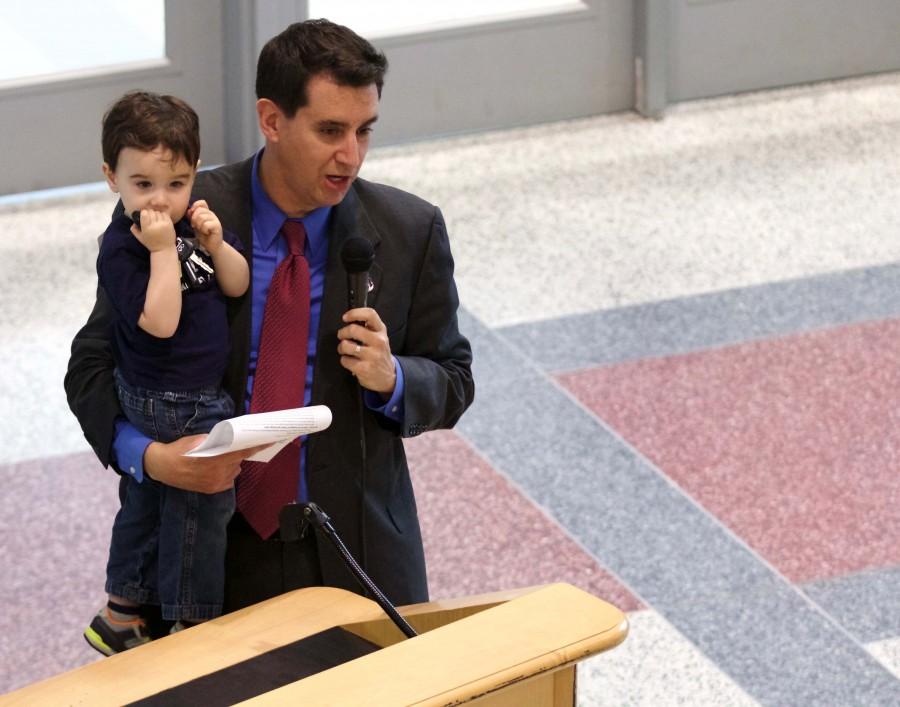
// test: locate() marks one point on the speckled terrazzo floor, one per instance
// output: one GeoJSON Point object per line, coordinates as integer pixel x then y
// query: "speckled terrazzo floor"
{"type": "Point", "coordinates": [686, 338]}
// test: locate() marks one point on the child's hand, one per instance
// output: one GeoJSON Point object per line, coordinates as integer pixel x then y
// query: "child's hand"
{"type": "Point", "coordinates": [157, 232]}
{"type": "Point", "coordinates": [206, 225]}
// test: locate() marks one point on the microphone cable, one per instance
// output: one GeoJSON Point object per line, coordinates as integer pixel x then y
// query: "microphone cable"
{"type": "Point", "coordinates": [357, 256]}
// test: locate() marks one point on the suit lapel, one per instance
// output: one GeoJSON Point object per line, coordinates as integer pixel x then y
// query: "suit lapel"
{"type": "Point", "coordinates": [229, 194]}
{"type": "Point", "coordinates": [348, 219]}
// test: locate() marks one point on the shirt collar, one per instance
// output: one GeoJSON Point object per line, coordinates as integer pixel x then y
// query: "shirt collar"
{"type": "Point", "coordinates": [268, 218]}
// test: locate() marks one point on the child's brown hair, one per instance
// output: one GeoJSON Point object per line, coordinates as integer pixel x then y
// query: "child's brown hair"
{"type": "Point", "coordinates": [144, 121]}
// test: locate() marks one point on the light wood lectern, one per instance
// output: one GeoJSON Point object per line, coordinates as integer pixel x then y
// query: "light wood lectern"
{"type": "Point", "coordinates": [512, 648]}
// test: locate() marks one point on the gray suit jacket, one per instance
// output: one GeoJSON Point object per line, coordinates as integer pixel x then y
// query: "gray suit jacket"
{"type": "Point", "coordinates": [414, 294]}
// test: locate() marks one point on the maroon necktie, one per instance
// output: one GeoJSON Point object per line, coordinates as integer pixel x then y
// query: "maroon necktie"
{"type": "Point", "coordinates": [263, 488]}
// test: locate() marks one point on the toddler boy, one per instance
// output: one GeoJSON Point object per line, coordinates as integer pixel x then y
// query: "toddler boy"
{"type": "Point", "coordinates": [166, 267]}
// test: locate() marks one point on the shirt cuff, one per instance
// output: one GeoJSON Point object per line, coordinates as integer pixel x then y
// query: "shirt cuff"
{"type": "Point", "coordinates": [392, 409]}
{"type": "Point", "coordinates": [129, 446]}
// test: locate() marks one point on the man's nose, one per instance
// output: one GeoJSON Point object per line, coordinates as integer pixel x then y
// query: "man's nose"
{"type": "Point", "coordinates": [349, 152]}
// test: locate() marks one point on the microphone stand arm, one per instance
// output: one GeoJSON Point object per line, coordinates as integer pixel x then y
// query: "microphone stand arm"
{"type": "Point", "coordinates": [315, 516]}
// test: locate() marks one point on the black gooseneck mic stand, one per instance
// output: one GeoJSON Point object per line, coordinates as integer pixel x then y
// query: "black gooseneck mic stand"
{"type": "Point", "coordinates": [294, 526]}
{"type": "Point", "coordinates": [357, 256]}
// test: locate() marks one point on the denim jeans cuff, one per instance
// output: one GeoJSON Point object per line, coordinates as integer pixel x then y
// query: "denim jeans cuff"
{"type": "Point", "coordinates": [132, 592]}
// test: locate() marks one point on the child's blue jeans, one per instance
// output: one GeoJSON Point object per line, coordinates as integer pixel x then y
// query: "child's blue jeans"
{"type": "Point", "coordinates": [168, 545]}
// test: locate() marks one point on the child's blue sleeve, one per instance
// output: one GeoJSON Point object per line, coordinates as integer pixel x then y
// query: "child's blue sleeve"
{"type": "Point", "coordinates": [233, 241]}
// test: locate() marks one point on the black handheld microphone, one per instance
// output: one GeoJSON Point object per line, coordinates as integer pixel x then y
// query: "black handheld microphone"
{"type": "Point", "coordinates": [357, 255]}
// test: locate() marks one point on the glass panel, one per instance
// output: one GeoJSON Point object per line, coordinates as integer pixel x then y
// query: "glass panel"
{"type": "Point", "coordinates": [46, 37]}
{"type": "Point", "coordinates": [393, 17]}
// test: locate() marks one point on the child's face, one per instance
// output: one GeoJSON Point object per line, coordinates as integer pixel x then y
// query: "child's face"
{"type": "Point", "coordinates": [152, 180]}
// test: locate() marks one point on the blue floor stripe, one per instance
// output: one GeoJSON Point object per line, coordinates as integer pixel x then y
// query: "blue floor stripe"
{"type": "Point", "coordinates": [706, 321]}
{"type": "Point", "coordinates": [867, 603]}
{"type": "Point", "coordinates": [748, 620]}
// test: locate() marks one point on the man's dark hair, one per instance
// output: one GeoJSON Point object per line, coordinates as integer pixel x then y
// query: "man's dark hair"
{"type": "Point", "coordinates": [305, 49]}
{"type": "Point", "coordinates": [144, 121]}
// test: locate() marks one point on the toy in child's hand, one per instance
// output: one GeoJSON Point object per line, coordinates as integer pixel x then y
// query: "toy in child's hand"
{"type": "Point", "coordinates": [196, 272]}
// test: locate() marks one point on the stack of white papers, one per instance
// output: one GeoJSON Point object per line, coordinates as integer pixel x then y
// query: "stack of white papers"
{"type": "Point", "coordinates": [277, 429]}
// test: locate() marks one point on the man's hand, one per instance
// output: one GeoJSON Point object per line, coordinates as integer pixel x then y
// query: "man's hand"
{"type": "Point", "coordinates": [165, 463]}
{"type": "Point", "coordinates": [366, 352]}
{"type": "Point", "coordinates": [206, 225]}
{"type": "Point", "coordinates": [157, 232]}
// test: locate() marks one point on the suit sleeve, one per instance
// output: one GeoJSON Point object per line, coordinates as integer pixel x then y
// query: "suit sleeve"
{"type": "Point", "coordinates": [90, 389]}
{"type": "Point", "coordinates": [436, 358]}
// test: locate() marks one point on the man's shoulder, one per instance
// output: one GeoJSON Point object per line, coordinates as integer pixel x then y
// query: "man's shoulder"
{"type": "Point", "coordinates": [229, 177]}
{"type": "Point", "coordinates": [227, 191]}
{"type": "Point", "coordinates": [382, 196]}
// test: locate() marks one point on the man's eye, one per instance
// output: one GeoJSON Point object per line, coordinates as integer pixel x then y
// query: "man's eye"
{"type": "Point", "coordinates": [366, 131]}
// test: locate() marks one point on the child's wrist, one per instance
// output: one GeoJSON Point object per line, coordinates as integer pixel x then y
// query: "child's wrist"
{"type": "Point", "coordinates": [163, 248]}
{"type": "Point", "coordinates": [214, 247]}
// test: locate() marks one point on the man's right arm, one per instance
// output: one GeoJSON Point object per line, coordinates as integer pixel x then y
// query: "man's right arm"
{"type": "Point", "coordinates": [89, 384]}
{"type": "Point", "coordinates": [91, 393]}
{"type": "Point", "coordinates": [129, 446]}
{"type": "Point", "coordinates": [138, 455]}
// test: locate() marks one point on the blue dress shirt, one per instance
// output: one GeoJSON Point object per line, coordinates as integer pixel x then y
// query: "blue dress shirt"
{"type": "Point", "coordinates": [269, 249]}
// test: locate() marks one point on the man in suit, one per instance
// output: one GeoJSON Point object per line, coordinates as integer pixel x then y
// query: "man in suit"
{"type": "Point", "coordinates": [318, 90]}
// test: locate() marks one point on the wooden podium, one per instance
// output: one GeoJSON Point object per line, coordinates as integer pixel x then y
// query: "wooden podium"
{"type": "Point", "coordinates": [512, 648]}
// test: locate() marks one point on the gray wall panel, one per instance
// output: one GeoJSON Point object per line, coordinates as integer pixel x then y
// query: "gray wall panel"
{"type": "Point", "coordinates": [495, 75]}
{"type": "Point", "coordinates": [520, 73]}
{"type": "Point", "coordinates": [727, 46]}
{"type": "Point", "coordinates": [50, 133]}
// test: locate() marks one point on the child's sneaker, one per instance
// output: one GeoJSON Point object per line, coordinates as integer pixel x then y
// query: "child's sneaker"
{"type": "Point", "coordinates": [110, 636]}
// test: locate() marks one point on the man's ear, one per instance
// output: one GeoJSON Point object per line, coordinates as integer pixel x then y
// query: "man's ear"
{"type": "Point", "coordinates": [269, 116]}
{"type": "Point", "coordinates": [110, 178]}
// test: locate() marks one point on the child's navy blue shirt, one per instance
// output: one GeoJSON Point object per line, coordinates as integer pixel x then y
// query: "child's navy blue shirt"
{"type": "Point", "coordinates": [194, 357]}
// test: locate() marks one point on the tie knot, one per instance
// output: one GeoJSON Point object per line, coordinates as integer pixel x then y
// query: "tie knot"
{"type": "Point", "coordinates": [295, 236]}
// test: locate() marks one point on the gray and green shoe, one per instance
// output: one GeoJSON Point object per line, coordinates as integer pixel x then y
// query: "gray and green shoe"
{"type": "Point", "coordinates": [110, 636]}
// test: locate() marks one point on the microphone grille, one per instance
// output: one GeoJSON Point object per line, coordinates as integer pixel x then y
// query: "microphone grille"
{"type": "Point", "coordinates": [357, 254]}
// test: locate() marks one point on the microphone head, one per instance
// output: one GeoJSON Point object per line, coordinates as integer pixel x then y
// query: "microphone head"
{"type": "Point", "coordinates": [357, 254]}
